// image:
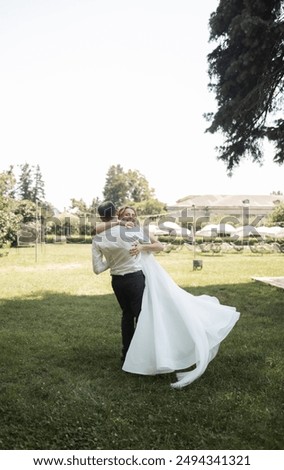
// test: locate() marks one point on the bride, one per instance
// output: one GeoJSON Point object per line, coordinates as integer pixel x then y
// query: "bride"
{"type": "Point", "coordinates": [176, 330]}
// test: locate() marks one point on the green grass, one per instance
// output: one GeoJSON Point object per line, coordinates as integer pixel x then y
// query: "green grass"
{"type": "Point", "coordinates": [61, 386]}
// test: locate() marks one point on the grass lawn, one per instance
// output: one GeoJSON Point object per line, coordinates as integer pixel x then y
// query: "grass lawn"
{"type": "Point", "coordinates": [61, 385]}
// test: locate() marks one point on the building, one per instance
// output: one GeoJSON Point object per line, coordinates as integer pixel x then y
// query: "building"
{"type": "Point", "coordinates": [236, 209]}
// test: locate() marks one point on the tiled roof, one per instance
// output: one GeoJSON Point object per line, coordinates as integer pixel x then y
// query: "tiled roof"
{"type": "Point", "coordinates": [231, 200]}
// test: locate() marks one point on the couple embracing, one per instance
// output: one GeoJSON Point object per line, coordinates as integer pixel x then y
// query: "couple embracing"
{"type": "Point", "coordinates": [164, 328]}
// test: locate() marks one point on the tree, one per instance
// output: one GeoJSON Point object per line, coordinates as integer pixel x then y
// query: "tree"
{"type": "Point", "coordinates": [116, 186]}
{"type": "Point", "coordinates": [7, 184]}
{"type": "Point", "coordinates": [8, 219]}
{"type": "Point", "coordinates": [126, 187]}
{"type": "Point", "coordinates": [94, 204]}
{"type": "Point", "coordinates": [277, 193]}
{"type": "Point", "coordinates": [150, 207]}
{"type": "Point", "coordinates": [25, 187]}
{"type": "Point", "coordinates": [80, 205]}
{"type": "Point", "coordinates": [246, 70]}
{"type": "Point", "coordinates": [38, 189]}
{"type": "Point", "coordinates": [277, 216]}
{"type": "Point", "coordinates": [138, 187]}
{"type": "Point", "coordinates": [31, 184]}
{"type": "Point", "coordinates": [16, 212]}
{"type": "Point", "coordinates": [26, 209]}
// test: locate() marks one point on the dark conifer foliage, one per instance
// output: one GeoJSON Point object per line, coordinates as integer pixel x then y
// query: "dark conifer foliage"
{"type": "Point", "coordinates": [246, 71]}
{"type": "Point", "coordinates": [31, 184]}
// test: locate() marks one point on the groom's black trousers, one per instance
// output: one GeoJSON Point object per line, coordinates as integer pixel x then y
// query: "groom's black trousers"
{"type": "Point", "coordinates": [129, 290]}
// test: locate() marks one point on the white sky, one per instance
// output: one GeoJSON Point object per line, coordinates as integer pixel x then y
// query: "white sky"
{"type": "Point", "coordinates": [86, 84]}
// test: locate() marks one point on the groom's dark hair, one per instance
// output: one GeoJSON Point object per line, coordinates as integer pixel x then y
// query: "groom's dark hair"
{"type": "Point", "coordinates": [107, 210]}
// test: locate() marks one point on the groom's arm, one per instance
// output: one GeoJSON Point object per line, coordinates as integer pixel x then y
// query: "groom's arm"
{"type": "Point", "coordinates": [99, 263]}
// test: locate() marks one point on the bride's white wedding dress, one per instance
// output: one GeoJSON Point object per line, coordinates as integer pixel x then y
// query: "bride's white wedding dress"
{"type": "Point", "coordinates": [176, 330]}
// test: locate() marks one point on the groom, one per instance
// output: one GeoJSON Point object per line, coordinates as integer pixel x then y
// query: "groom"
{"type": "Point", "coordinates": [111, 249]}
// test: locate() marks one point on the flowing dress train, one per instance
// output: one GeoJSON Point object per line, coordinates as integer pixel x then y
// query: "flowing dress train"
{"type": "Point", "coordinates": [176, 330]}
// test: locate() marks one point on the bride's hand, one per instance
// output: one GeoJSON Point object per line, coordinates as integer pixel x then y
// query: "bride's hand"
{"type": "Point", "coordinates": [135, 249]}
{"type": "Point", "coordinates": [129, 224]}
{"type": "Point", "coordinates": [126, 223]}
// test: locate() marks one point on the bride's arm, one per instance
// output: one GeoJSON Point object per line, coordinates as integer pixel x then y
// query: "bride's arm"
{"type": "Point", "coordinates": [154, 246]}
{"type": "Point", "coordinates": [102, 226]}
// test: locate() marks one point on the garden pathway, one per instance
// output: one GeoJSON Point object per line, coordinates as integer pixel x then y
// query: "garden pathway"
{"type": "Point", "coordinates": [272, 281]}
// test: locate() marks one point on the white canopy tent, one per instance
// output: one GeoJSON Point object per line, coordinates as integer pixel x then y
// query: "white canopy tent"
{"type": "Point", "coordinates": [155, 230]}
{"type": "Point", "coordinates": [208, 231]}
{"type": "Point", "coordinates": [213, 230]}
{"type": "Point", "coordinates": [174, 229]}
{"type": "Point", "coordinates": [245, 231]}
{"type": "Point", "coordinates": [263, 231]}
{"type": "Point", "coordinates": [270, 232]}
{"type": "Point", "coordinates": [225, 229]}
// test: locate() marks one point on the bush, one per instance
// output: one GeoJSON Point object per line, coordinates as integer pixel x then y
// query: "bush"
{"type": "Point", "coordinates": [174, 240]}
{"type": "Point", "coordinates": [79, 239]}
{"type": "Point", "coordinates": [55, 239]}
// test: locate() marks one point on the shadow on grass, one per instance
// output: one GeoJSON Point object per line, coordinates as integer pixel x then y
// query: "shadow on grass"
{"type": "Point", "coordinates": [62, 386]}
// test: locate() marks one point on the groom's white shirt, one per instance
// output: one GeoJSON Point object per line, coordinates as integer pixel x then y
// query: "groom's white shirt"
{"type": "Point", "coordinates": [110, 249]}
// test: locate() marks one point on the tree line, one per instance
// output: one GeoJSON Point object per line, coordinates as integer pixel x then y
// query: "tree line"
{"type": "Point", "coordinates": [23, 202]}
